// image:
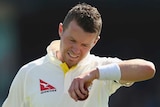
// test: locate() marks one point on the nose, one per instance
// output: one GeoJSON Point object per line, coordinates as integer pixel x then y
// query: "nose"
{"type": "Point", "coordinates": [76, 48]}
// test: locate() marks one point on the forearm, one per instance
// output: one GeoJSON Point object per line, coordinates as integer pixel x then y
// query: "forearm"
{"type": "Point", "coordinates": [130, 70]}
{"type": "Point", "coordinates": [136, 70]}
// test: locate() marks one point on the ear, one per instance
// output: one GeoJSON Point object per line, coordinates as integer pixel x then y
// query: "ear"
{"type": "Point", "coordinates": [96, 40]}
{"type": "Point", "coordinates": [60, 29]}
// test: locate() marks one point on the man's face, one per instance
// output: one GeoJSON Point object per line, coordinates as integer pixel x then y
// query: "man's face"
{"type": "Point", "coordinates": [75, 43]}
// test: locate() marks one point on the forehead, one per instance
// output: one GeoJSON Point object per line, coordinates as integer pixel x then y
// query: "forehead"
{"type": "Point", "coordinates": [76, 32]}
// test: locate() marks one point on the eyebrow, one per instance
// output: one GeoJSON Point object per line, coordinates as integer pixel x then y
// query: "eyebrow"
{"type": "Point", "coordinates": [87, 44]}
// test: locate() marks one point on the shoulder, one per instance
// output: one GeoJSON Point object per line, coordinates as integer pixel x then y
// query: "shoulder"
{"type": "Point", "coordinates": [104, 59]}
{"type": "Point", "coordinates": [35, 64]}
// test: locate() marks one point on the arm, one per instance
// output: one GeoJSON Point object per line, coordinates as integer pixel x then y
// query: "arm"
{"type": "Point", "coordinates": [15, 95]}
{"type": "Point", "coordinates": [133, 70]}
{"type": "Point", "coordinates": [136, 70]}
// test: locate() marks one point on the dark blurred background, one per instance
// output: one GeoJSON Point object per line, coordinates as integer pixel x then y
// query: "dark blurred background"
{"type": "Point", "coordinates": [131, 29]}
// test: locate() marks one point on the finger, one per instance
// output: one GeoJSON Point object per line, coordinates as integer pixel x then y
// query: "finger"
{"type": "Point", "coordinates": [83, 88]}
{"type": "Point", "coordinates": [78, 84]}
{"type": "Point", "coordinates": [72, 93]}
{"type": "Point", "coordinates": [75, 91]}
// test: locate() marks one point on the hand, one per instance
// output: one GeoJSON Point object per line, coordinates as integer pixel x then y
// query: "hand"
{"type": "Point", "coordinates": [79, 86]}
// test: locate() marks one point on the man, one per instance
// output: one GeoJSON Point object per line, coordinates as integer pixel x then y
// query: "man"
{"type": "Point", "coordinates": [69, 75]}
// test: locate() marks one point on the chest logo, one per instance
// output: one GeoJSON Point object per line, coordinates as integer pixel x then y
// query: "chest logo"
{"type": "Point", "coordinates": [46, 87]}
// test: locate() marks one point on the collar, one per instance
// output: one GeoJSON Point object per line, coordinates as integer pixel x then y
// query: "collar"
{"type": "Point", "coordinates": [51, 50]}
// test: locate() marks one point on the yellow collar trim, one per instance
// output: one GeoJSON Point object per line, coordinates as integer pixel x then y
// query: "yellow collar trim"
{"type": "Point", "coordinates": [65, 67]}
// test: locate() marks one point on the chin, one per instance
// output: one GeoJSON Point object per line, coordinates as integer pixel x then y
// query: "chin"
{"type": "Point", "coordinates": [71, 65]}
{"type": "Point", "coordinates": [72, 62]}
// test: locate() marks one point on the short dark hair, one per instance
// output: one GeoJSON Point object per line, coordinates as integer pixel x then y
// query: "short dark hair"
{"type": "Point", "coordinates": [86, 16]}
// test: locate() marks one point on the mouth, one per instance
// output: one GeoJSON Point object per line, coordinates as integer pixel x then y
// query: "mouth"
{"type": "Point", "coordinates": [72, 55]}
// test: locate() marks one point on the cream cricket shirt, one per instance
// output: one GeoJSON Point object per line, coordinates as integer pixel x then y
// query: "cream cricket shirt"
{"type": "Point", "coordinates": [44, 83]}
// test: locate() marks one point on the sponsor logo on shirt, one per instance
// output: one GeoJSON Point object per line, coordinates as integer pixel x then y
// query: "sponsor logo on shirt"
{"type": "Point", "coordinates": [46, 87]}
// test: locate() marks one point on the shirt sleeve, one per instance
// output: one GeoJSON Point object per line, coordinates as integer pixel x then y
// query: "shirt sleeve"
{"type": "Point", "coordinates": [15, 96]}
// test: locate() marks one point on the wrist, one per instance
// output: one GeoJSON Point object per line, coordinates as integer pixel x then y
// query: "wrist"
{"type": "Point", "coordinates": [109, 72]}
{"type": "Point", "coordinates": [95, 73]}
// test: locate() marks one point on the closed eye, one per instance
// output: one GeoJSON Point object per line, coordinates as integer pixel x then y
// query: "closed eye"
{"type": "Point", "coordinates": [85, 45]}
{"type": "Point", "coordinates": [73, 40]}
